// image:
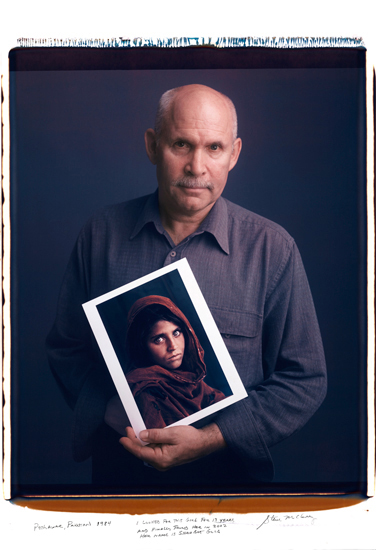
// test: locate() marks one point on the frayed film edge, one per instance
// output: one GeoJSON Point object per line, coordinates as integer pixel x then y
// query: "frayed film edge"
{"type": "Point", "coordinates": [219, 42]}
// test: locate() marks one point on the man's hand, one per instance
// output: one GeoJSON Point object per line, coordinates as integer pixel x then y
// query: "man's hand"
{"type": "Point", "coordinates": [174, 446]}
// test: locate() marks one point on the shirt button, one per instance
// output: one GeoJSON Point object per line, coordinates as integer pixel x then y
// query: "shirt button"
{"type": "Point", "coordinates": [173, 253]}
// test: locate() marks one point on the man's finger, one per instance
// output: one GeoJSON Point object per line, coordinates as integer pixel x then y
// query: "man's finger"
{"type": "Point", "coordinates": [147, 454]}
{"type": "Point", "coordinates": [159, 436]}
{"type": "Point", "coordinates": [130, 433]}
{"type": "Point", "coordinates": [133, 445]}
{"type": "Point", "coordinates": [131, 442]}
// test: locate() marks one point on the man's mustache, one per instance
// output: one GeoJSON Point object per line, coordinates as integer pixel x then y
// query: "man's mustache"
{"type": "Point", "coordinates": [192, 183]}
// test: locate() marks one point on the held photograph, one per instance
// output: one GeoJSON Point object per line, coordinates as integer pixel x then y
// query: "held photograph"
{"type": "Point", "coordinates": [188, 271]}
{"type": "Point", "coordinates": [166, 372]}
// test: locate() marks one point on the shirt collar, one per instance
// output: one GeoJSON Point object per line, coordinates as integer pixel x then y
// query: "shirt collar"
{"type": "Point", "coordinates": [149, 214]}
{"type": "Point", "coordinates": [215, 223]}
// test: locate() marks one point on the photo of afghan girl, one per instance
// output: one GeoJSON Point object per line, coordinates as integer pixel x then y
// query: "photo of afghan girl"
{"type": "Point", "coordinates": [167, 369]}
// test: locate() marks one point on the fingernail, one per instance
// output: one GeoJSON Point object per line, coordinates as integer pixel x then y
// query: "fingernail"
{"type": "Point", "coordinates": [144, 434]}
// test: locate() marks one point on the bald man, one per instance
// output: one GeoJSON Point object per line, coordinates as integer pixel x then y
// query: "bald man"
{"type": "Point", "coordinates": [253, 280]}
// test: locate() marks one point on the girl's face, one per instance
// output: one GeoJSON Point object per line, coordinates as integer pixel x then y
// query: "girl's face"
{"type": "Point", "coordinates": [166, 345]}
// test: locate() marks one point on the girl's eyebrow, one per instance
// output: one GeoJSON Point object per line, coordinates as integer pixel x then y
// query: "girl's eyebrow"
{"type": "Point", "coordinates": [152, 336]}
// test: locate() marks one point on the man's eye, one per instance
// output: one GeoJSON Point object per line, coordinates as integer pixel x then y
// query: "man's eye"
{"type": "Point", "coordinates": [214, 146]}
{"type": "Point", "coordinates": [180, 144]}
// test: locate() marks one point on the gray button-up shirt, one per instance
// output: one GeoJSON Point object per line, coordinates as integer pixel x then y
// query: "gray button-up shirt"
{"type": "Point", "coordinates": [252, 278]}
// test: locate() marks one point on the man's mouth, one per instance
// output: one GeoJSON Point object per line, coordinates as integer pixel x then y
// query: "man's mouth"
{"type": "Point", "coordinates": [188, 183]}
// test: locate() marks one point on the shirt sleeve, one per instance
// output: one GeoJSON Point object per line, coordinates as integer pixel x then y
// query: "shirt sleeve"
{"type": "Point", "coordinates": [74, 356]}
{"type": "Point", "coordinates": [295, 372]}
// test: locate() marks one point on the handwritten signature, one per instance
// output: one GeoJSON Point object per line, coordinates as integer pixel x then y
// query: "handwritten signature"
{"type": "Point", "coordinates": [285, 518]}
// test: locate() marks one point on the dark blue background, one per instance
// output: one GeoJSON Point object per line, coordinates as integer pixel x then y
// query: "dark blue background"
{"type": "Point", "coordinates": [77, 145]}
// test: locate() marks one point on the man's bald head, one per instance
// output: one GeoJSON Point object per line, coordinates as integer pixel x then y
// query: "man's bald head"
{"type": "Point", "coordinates": [167, 100]}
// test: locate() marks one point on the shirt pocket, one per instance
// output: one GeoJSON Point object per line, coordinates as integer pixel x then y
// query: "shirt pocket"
{"type": "Point", "coordinates": [241, 332]}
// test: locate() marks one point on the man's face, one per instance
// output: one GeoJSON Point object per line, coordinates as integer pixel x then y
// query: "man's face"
{"type": "Point", "coordinates": [194, 154]}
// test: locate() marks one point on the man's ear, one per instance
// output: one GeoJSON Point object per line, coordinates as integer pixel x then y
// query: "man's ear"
{"type": "Point", "coordinates": [151, 145]}
{"type": "Point", "coordinates": [237, 147]}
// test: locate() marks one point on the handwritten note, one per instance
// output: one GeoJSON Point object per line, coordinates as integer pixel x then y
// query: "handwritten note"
{"type": "Point", "coordinates": [182, 527]}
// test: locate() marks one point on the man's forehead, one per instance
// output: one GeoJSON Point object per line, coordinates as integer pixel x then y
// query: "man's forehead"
{"type": "Point", "coordinates": [199, 109]}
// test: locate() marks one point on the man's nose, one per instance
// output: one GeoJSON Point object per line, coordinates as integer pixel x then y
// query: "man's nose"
{"type": "Point", "coordinates": [196, 163]}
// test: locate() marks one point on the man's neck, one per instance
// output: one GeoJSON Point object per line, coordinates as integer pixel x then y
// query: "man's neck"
{"type": "Point", "coordinates": [180, 227]}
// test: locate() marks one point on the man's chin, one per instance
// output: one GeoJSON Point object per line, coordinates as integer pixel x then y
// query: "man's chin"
{"type": "Point", "coordinates": [187, 202]}
{"type": "Point", "coordinates": [195, 202]}
{"type": "Point", "coordinates": [193, 194]}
